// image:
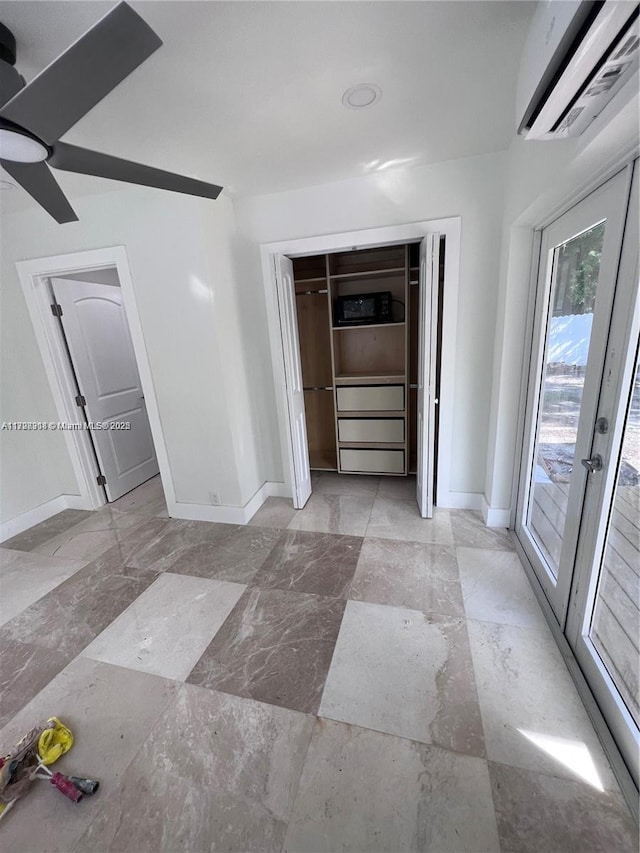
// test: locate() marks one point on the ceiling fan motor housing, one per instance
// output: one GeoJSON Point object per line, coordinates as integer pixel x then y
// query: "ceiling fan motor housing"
{"type": "Point", "coordinates": [7, 45]}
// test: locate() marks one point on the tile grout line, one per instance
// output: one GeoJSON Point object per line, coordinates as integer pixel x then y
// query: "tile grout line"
{"type": "Point", "coordinates": [375, 498]}
{"type": "Point", "coordinates": [457, 752]}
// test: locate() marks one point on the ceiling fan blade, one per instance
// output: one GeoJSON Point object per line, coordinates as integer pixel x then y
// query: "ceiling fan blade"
{"type": "Point", "coordinates": [81, 76]}
{"type": "Point", "coordinates": [70, 158]}
{"type": "Point", "coordinates": [38, 181]}
{"type": "Point", "coordinates": [10, 82]}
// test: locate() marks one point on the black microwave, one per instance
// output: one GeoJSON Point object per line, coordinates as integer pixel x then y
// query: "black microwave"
{"type": "Point", "coordinates": [362, 308]}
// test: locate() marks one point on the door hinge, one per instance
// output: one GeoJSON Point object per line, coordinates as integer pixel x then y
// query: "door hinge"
{"type": "Point", "coordinates": [101, 480]}
{"type": "Point", "coordinates": [56, 310]}
{"type": "Point", "coordinates": [80, 400]}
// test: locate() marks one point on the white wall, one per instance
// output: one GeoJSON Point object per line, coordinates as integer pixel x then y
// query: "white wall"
{"type": "Point", "coordinates": [542, 178]}
{"type": "Point", "coordinates": [238, 317]}
{"type": "Point", "coordinates": [471, 188]}
{"type": "Point", "coordinates": [34, 466]}
{"type": "Point", "coordinates": [180, 252]}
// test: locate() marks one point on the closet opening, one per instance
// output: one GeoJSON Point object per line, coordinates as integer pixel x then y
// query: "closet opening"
{"type": "Point", "coordinates": [359, 318]}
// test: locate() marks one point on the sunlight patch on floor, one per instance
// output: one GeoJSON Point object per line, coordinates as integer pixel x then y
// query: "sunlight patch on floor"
{"type": "Point", "coordinates": [573, 754]}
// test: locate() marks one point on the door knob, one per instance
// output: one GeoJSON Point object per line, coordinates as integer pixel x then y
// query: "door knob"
{"type": "Point", "coordinates": [593, 464]}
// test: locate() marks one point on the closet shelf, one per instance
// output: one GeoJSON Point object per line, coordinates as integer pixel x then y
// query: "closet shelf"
{"type": "Point", "coordinates": [371, 414]}
{"type": "Point", "coordinates": [372, 445]}
{"type": "Point", "coordinates": [367, 273]}
{"type": "Point", "coordinates": [370, 378]}
{"type": "Point", "coordinates": [312, 280]}
{"type": "Point", "coordinates": [368, 326]}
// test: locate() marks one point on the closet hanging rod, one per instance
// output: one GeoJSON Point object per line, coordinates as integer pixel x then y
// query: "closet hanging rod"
{"type": "Point", "coordinates": [310, 292]}
{"type": "Point", "coordinates": [319, 388]}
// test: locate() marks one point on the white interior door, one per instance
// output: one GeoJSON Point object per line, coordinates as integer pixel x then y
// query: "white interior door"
{"type": "Point", "coordinates": [293, 376]}
{"type": "Point", "coordinates": [97, 334]}
{"type": "Point", "coordinates": [427, 343]}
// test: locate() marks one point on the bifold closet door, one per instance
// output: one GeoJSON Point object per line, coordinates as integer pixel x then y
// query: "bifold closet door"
{"type": "Point", "coordinates": [297, 428]}
{"type": "Point", "coordinates": [427, 359]}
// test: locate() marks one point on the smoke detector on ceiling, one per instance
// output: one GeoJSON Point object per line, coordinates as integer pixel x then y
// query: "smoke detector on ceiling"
{"type": "Point", "coordinates": [362, 95]}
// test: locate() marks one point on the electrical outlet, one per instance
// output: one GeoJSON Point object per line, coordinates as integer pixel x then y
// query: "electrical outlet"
{"type": "Point", "coordinates": [214, 497]}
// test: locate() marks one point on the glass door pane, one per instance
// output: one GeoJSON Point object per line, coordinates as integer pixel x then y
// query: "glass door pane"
{"type": "Point", "coordinates": [615, 623]}
{"type": "Point", "coordinates": [576, 269]}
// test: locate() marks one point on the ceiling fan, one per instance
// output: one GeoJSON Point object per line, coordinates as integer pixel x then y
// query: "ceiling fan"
{"type": "Point", "coordinates": [33, 117]}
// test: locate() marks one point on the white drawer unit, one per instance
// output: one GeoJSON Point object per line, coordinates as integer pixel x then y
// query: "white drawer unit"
{"type": "Point", "coordinates": [378, 430]}
{"type": "Point", "coordinates": [370, 398]}
{"type": "Point", "coordinates": [369, 461]}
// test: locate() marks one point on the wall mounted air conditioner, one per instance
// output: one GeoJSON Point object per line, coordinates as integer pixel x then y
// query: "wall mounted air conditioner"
{"type": "Point", "coordinates": [577, 56]}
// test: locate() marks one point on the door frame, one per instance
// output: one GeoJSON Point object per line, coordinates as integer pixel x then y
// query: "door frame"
{"type": "Point", "coordinates": [34, 276]}
{"type": "Point", "coordinates": [450, 228]}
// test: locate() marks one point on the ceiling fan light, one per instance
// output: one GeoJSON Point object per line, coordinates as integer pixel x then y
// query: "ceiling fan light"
{"type": "Point", "coordinates": [19, 148]}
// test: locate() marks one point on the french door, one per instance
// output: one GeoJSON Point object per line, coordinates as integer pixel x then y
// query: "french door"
{"type": "Point", "coordinates": [578, 515]}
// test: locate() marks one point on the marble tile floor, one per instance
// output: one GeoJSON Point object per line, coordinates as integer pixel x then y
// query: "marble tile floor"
{"type": "Point", "coordinates": [347, 677]}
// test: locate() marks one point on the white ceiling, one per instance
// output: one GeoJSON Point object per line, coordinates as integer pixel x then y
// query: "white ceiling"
{"type": "Point", "coordinates": [248, 94]}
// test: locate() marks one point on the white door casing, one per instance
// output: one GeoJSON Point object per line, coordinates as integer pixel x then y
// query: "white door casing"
{"type": "Point", "coordinates": [427, 344]}
{"type": "Point", "coordinates": [293, 379]}
{"type": "Point", "coordinates": [99, 341]}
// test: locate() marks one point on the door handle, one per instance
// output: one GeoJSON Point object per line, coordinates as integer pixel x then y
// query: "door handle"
{"type": "Point", "coordinates": [593, 464]}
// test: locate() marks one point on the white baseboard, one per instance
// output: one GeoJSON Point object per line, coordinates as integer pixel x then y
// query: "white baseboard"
{"type": "Point", "coordinates": [278, 490]}
{"type": "Point", "coordinates": [229, 514]}
{"type": "Point", "coordinates": [27, 519]}
{"type": "Point", "coordinates": [78, 502]}
{"type": "Point", "coordinates": [460, 500]}
{"type": "Point", "coordinates": [493, 516]}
